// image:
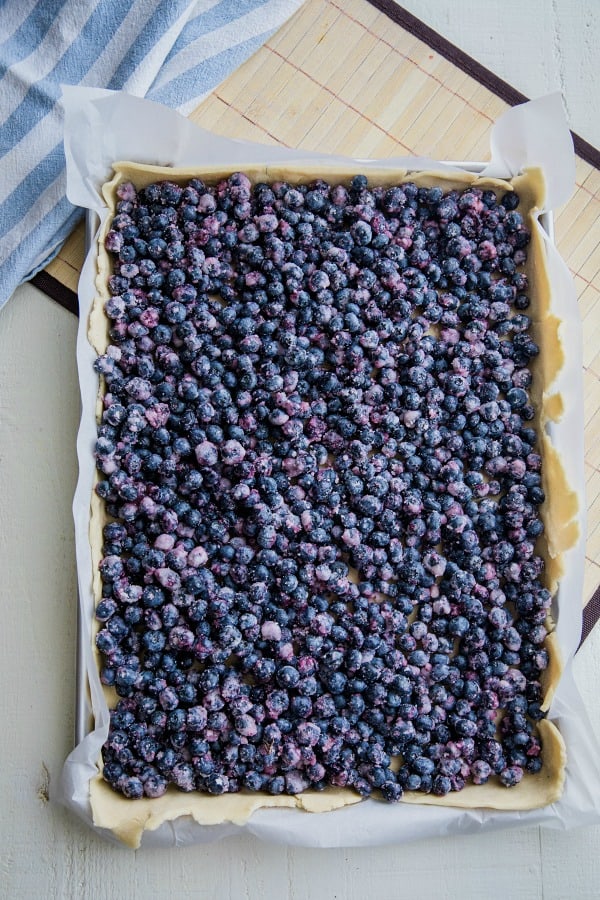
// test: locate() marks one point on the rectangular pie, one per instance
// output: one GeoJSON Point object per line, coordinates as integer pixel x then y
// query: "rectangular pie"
{"type": "Point", "coordinates": [329, 523]}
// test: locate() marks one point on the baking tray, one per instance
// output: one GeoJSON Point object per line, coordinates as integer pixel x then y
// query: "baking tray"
{"type": "Point", "coordinates": [533, 134]}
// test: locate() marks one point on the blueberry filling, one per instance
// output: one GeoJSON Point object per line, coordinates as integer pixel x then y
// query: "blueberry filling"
{"type": "Point", "coordinates": [318, 459]}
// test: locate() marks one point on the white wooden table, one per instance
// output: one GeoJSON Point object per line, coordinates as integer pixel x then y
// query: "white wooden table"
{"type": "Point", "coordinates": [47, 853]}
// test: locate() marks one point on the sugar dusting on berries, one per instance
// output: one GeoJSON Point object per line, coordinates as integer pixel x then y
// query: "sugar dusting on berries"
{"type": "Point", "coordinates": [318, 459]}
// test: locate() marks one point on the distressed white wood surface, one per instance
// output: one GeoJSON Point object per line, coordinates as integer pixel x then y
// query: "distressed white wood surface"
{"type": "Point", "coordinates": [46, 853]}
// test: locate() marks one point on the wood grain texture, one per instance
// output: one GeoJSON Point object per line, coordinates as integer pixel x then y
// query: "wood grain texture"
{"type": "Point", "coordinates": [45, 852]}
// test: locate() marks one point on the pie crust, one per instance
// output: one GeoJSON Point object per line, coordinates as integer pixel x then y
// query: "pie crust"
{"type": "Point", "coordinates": [129, 818]}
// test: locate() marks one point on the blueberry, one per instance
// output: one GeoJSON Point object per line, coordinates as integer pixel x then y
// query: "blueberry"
{"type": "Point", "coordinates": [217, 784]}
{"type": "Point", "coordinates": [288, 677]}
{"type": "Point", "coordinates": [131, 787]}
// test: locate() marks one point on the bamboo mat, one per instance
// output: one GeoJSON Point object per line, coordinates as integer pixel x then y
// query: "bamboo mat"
{"type": "Point", "coordinates": [342, 77]}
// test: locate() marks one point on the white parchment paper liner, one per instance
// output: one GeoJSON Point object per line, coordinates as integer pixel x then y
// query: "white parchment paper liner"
{"type": "Point", "coordinates": [104, 126]}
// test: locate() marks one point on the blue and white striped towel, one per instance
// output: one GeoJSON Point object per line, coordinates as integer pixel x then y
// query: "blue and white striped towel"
{"type": "Point", "coordinates": [173, 51]}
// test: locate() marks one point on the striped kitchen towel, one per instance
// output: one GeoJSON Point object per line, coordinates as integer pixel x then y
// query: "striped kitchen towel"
{"type": "Point", "coordinates": [173, 51]}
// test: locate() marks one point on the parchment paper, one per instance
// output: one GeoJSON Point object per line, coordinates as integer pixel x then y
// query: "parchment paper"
{"type": "Point", "coordinates": [104, 126]}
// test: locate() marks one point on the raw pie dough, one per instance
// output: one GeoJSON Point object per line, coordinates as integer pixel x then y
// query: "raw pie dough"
{"type": "Point", "coordinates": [129, 818]}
